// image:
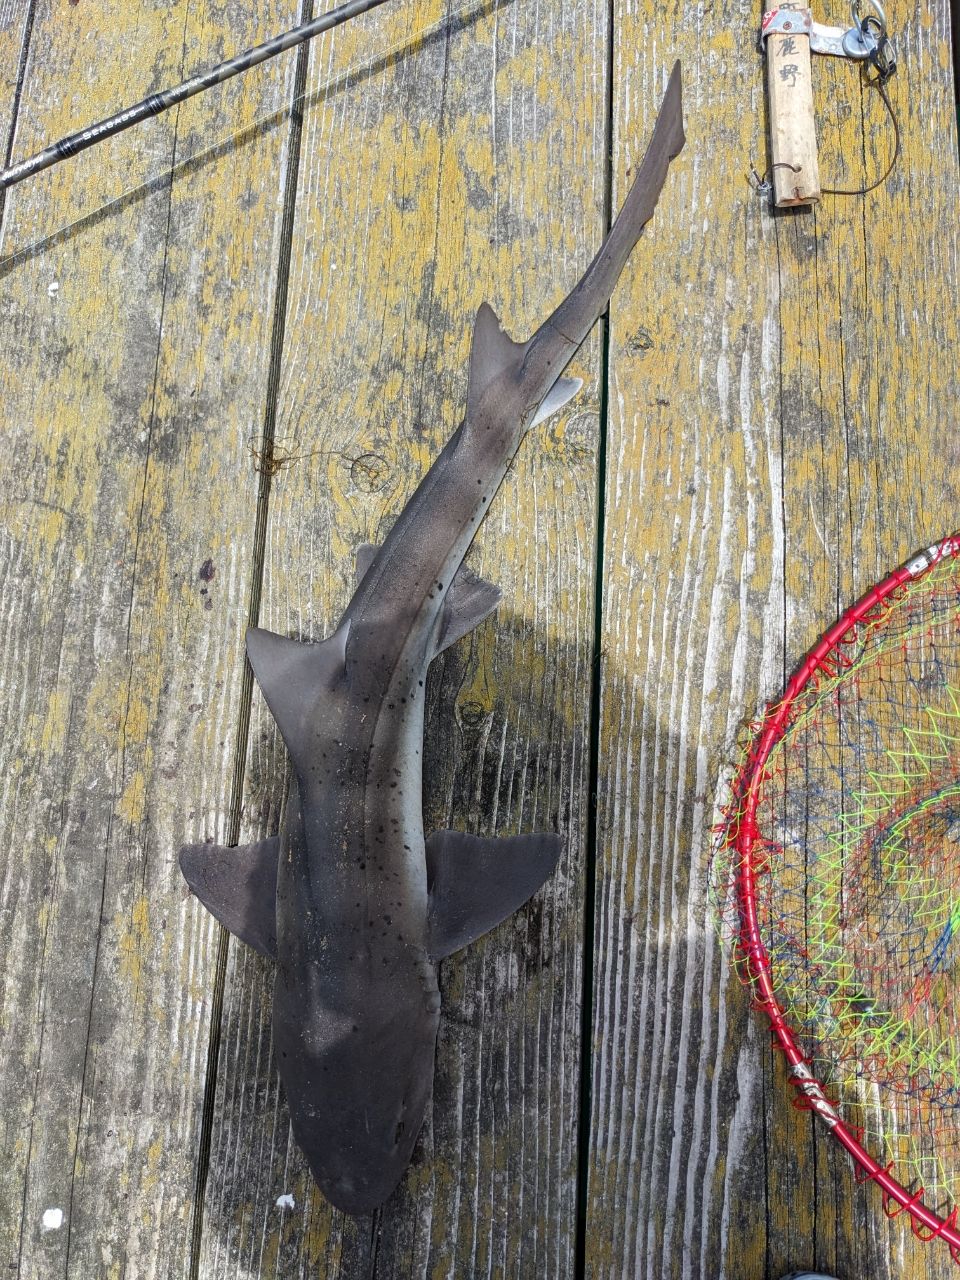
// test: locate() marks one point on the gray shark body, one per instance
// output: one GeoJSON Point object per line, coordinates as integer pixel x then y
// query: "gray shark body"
{"type": "Point", "coordinates": [356, 905]}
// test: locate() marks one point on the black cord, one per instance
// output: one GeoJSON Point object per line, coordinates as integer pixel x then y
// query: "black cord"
{"type": "Point", "coordinates": [881, 87]}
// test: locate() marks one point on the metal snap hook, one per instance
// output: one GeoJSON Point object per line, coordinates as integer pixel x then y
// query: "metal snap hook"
{"type": "Point", "coordinates": [868, 39]}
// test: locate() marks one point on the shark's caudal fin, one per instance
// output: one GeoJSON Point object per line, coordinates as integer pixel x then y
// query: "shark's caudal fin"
{"type": "Point", "coordinates": [566, 328]}
{"type": "Point", "coordinates": [474, 883]}
{"type": "Point", "coordinates": [239, 887]}
{"type": "Point", "coordinates": [292, 673]}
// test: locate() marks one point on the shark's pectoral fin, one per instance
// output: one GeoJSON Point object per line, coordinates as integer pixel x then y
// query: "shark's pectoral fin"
{"type": "Point", "coordinates": [469, 600]}
{"type": "Point", "coordinates": [563, 390]}
{"type": "Point", "coordinates": [291, 674]}
{"type": "Point", "coordinates": [239, 887]}
{"type": "Point", "coordinates": [475, 882]}
{"type": "Point", "coordinates": [491, 353]}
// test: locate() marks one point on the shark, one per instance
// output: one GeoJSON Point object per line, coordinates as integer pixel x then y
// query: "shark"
{"type": "Point", "coordinates": [355, 903]}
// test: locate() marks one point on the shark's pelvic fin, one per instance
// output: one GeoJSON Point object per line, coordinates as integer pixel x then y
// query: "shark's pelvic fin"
{"type": "Point", "coordinates": [563, 390]}
{"type": "Point", "coordinates": [475, 882]}
{"type": "Point", "coordinates": [491, 353]}
{"type": "Point", "coordinates": [292, 674]}
{"type": "Point", "coordinates": [239, 887]}
{"type": "Point", "coordinates": [469, 600]}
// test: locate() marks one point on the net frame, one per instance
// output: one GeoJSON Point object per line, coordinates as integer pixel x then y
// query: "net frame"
{"type": "Point", "coordinates": [741, 835]}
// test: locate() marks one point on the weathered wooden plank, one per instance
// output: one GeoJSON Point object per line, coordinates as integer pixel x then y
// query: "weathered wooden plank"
{"type": "Point", "coordinates": [134, 374]}
{"type": "Point", "coordinates": [774, 445]}
{"type": "Point", "coordinates": [448, 158]}
{"type": "Point", "coordinates": [14, 42]}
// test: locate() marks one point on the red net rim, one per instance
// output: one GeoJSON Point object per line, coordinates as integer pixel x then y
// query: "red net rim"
{"type": "Point", "coordinates": [743, 835]}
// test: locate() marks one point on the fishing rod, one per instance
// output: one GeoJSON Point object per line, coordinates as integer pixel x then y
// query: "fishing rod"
{"type": "Point", "coordinates": [156, 103]}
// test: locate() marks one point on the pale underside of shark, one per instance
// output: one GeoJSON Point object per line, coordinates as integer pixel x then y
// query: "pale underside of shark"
{"type": "Point", "coordinates": [353, 902]}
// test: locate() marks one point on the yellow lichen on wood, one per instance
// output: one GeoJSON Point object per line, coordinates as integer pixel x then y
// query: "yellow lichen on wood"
{"type": "Point", "coordinates": [765, 466]}
{"type": "Point", "coordinates": [125, 472]}
{"type": "Point", "coordinates": [416, 203]}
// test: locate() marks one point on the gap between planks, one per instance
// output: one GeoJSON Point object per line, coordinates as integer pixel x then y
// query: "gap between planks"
{"type": "Point", "coordinates": [253, 616]}
{"type": "Point", "coordinates": [593, 747]}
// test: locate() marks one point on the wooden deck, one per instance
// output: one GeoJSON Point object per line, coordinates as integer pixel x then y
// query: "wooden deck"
{"type": "Point", "coordinates": [291, 264]}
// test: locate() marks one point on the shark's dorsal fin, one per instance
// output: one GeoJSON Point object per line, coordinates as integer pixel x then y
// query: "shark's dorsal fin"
{"type": "Point", "coordinates": [563, 390]}
{"type": "Point", "coordinates": [491, 353]}
{"type": "Point", "coordinates": [366, 554]}
{"type": "Point", "coordinates": [469, 600]}
{"type": "Point", "coordinates": [239, 887]}
{"type": "Point", "coordinates": [474, 882]}
{"type": "Point", "coordinates": [292, 674]}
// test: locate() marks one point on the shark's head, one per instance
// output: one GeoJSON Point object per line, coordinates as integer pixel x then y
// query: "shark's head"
{"type": "Point", "coordinates": [358, 1084]}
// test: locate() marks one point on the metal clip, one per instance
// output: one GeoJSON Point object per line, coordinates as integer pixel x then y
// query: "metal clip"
{"type": "Point", "coordinates": [866, 40]}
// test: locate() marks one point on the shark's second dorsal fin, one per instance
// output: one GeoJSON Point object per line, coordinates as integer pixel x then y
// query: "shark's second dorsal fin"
{"type": "Point", "coordinates": [475, 882]}
{"type": "Point", "coordinates": [238, 886]}
{"type": "Point", "coordinates": [491, 353]}
{"type": "Point", "coordinates": [292, 673]}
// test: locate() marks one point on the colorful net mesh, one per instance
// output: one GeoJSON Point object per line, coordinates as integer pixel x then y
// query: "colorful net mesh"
{"type": "Point", "coordinates": [840, 884]}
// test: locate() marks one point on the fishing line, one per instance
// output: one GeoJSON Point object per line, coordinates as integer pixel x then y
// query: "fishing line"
{"type": "Point", "coordinates": [880, 85]}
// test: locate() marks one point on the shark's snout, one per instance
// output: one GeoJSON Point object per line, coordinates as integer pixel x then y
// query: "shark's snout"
{"type": "Point", "coordinates": [358, 1158]}
{"type": "Point", "coordinates": [358, 1089]}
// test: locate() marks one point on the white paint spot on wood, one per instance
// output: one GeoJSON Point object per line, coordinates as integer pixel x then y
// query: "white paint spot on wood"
{"type": "Point", "coordinates": [286, 1201]}
{"type": "Point", "coordinates": [53, 288]}
{"type": "Point", "coordinates": [52, 1220]}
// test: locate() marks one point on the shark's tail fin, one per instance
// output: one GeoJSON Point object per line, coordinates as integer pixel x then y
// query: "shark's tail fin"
{"type": "Point", "coordinates": [666, 143]}
{"type": "Point", "coordinates": [579, 311]}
